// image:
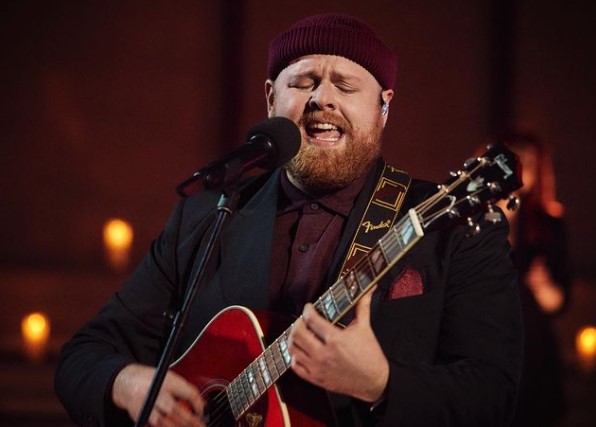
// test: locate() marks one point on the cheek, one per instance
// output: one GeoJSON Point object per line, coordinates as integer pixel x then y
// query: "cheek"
{"type": "Point", "coordinates": [291, 107]}
{"type": "Point", "coordinates": [363, 117]}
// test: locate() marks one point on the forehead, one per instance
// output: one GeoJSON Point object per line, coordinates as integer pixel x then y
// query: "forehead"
{"type": "Point", "coordinates": [335, 66]}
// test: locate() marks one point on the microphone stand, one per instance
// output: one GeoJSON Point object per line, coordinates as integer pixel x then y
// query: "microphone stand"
{"type": "Point", "coordinates": [225, 209]}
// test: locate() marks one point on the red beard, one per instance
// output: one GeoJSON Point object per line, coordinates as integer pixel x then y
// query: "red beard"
{"type": "Point", "coordinates": [318, 169]}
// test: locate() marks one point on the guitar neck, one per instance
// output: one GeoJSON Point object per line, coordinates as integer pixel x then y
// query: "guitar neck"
{"type": "Point", "coordinates": [275, 360]}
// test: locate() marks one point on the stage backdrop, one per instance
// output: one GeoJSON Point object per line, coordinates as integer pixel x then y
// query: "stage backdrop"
{"type": "Point", "coordinates": [107, 105]}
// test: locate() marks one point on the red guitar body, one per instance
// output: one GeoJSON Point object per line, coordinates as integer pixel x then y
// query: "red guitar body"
{"type": "Point", "coordinates": [228, 344]}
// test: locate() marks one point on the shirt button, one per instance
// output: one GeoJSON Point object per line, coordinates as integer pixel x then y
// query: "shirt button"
{"type": "Point", "coordinates": [314, 206]}
{"type": "Point", "coordinates": [303, 248]}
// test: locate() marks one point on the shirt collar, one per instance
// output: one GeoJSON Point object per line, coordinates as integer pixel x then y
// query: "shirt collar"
{"type": "Point", "coordinates": [340, 202]}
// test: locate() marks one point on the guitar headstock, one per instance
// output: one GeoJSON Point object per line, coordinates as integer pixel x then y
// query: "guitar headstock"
{"type": "Point", "coordinates": [481, 182]}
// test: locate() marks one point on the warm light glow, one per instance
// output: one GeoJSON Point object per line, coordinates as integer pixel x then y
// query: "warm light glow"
{"type": "Point", "coordinates": [117, 236]}
{"type": "Point", "coordinates": [35, 328]}
{"type": "Point", "coordinates": [117, 233]}
{"type": "Point", "coordinates": [586, 340]}
{"type": "Point", "coordinates": [585, 343]}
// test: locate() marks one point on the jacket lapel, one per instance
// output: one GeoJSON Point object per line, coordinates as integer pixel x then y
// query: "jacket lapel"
{"type": "Point", "coordinates": [246, 249]}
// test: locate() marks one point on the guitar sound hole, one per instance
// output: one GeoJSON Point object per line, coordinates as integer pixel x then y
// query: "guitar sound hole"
{"type": "Point", "coordinates": [218, 412]}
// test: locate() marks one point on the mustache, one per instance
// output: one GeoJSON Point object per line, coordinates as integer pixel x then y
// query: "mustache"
{"type": "Point", "coordinates": [325, 117]}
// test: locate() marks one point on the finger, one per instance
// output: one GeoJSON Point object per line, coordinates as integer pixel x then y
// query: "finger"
{"type": "Point", "coordinates": [302, 341]}
{"type": "Point", "coordinates": [181, 415]}
{"type": "Point", "coordinates": [159, 419]}
{"type": "Point", "coordinates": [317, 324]}
{"type": "Point", "coordinates": [170, 412]}
{"type": "Point", "coordinates": [165, 403]}
{"type": "Point", "coordinates": [179, 402]}
{"type": "Point", "coordinates": [363, 306]}
{"type": "Point", "coordinates": [300, 369]}
{"type": "Point", "coordinates": [184, 390]}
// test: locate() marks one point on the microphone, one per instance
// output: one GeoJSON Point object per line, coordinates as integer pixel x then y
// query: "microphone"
{"type": "Point", "coordinates": [270, 144]}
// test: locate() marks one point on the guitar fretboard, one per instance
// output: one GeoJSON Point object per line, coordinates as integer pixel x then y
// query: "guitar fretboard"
{"type": "Point", "coordinates": [266, 369]}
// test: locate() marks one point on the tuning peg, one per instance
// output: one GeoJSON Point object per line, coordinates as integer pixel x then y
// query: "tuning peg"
{"type": "Point", "coordinates": [473, 227]}
{"type": "Point", "coordinates": [453, 213]}
{"type": "Point", "coordinates": [513, 203]}
{"type": "Point", "coordinates": [454, 174]}
{"type": "Point", "coordinates": [469, 162]}
{"type": "Point", "coordinates": [494, 187]}
{"type": "Point", "coordinates": [473, 200]}
{"type": "Point", "coordinates": [491, 215]}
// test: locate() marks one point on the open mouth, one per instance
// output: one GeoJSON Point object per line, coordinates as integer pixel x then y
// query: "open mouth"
{"type": "Point", "coordinates": [323, 133]}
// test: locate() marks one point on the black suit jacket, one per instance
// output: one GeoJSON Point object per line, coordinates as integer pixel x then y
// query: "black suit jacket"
{"type": "Point", "coordinates": [454, 351]}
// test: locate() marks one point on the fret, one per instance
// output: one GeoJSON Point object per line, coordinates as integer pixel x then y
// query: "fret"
{"type": "Point", "coordinates": [364, 277]}
{"type": "Point", "coordinates": [260, 381]}
{"type": "Point", "coordinates": [234, 397]}
{"type": "Point", "coordinates": [252, 381]}
{"type": "Point", "coordinates": [383, 242]}
{"type": "Point", "coordinates": [247, 397]}
{"type": "Point", "coordinates": [406, 233]}
{"type": "Point", "coordinates": [283, 345]}
{"type": "Point", "coordinates": [318, 305]}
{"type": "Point", "coordinates": [346, 290]}
{"type": "Point", "coordinates": [396, 244]}
{"type": "Point", "coordinates": [280, 366]}
{"type": "Point", "coordinates": [270, 363]}
{"type": "Point", "coordinates": [341, 296]}
{"type": "Point", "coordinates": [264, 370]}
{"type": "Point", "coordinates": [352, 285]}
{"type": "Point", "coordinates": [231, 399]}
{"type": "Point", "coordinates": [377, 258]}
{"type": "Point", "coordinates": [329, 306]}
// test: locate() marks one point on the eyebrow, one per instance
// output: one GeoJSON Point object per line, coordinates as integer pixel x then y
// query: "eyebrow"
{"type": "Point", "coordinates": [347, 78]}
{"type": "Point", "coordinates": [336, 76]}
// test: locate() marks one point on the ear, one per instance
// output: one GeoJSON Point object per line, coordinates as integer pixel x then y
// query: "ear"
{"type": "Point", "coordinates": [386, 97]}
{"type": "Point", "coordinates": [269, 96]}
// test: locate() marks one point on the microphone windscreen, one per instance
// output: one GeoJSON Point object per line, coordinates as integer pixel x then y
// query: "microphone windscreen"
{"type": "Point", "coordinates": [284, 136]}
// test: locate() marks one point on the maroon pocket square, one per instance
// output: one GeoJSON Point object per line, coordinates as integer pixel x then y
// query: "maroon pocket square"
{"type": "Point", "coordinates": [407, 284]}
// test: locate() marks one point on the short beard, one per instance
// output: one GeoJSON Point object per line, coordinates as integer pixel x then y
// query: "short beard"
{"type": "Point", "coordinates": [322, 170]}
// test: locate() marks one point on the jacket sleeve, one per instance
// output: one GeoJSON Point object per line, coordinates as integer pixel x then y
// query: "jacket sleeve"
{"type": "Point", "coordinates": [472, 375]}
{"type": "Point", "coordinates": [128, 329]}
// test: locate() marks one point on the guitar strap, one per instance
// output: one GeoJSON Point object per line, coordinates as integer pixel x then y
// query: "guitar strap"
{"type": "Point", "coordinates": [380, 214]}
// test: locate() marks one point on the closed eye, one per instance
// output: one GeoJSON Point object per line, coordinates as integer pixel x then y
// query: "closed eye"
{"type": "Point", "coordinates": [347, 89]}
{"type": "Point", "coordinates": [302, 83]}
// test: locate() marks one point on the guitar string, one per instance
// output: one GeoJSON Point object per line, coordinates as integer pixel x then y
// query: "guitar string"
{"type": "Point", "coordinates": [391, 244]}
{"type": "Point", "coordinates": [220, 399]}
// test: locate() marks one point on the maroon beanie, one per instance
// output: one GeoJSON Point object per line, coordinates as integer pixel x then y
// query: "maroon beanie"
{"type": "Point", "coordinates": [334, 34]}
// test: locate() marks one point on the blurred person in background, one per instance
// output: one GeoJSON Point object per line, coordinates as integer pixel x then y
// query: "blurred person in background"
{"type": "Point", "coordinates": [537, 236]}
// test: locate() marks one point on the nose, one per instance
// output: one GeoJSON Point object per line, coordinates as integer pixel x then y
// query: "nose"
{"type": "Point", "coordinates": [323, 98]}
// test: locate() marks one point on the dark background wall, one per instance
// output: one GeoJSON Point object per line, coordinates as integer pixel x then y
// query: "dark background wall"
{"type": "Point", "coordinates": [106, 106]}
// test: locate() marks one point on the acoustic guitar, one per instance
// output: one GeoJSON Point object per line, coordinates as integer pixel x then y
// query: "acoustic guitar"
{"type": "Point", "coordinates": [238, 373]}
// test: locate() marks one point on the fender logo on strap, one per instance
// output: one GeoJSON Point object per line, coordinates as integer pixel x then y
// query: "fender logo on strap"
{"type": "Point", "coordinates": [368, 226]}
{"type": "Point", "coordinates": [380, 214]}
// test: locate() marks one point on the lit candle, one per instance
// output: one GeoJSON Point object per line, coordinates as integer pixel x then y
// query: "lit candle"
{"type": "Point", "coordinates": [117, 237]}
{"type": "Point", "coordinates": [35, 328]}
{"type": "Point", "coordinates": [585, 343]}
